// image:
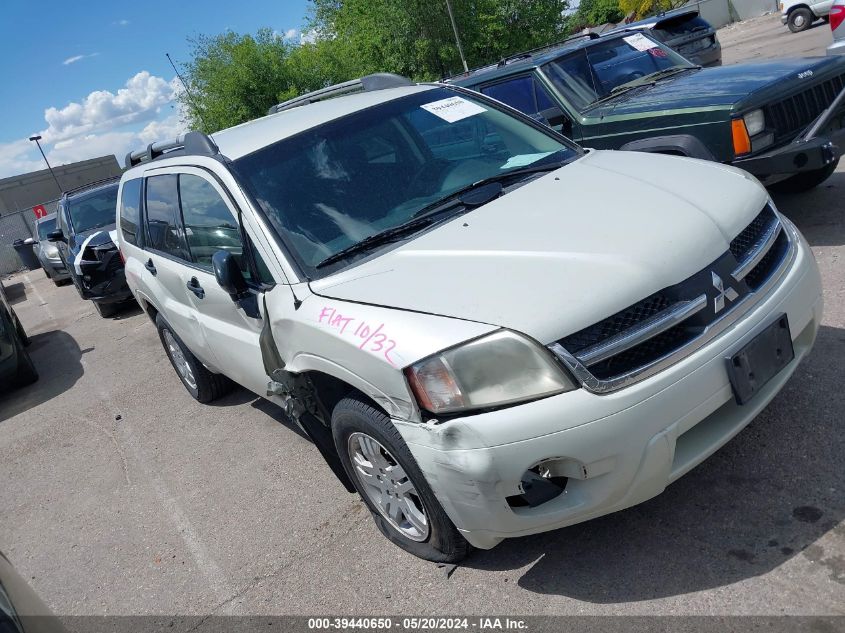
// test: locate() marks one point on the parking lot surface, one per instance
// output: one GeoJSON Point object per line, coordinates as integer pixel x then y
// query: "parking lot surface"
{"type": "Point", "coordinates": [122, 495]}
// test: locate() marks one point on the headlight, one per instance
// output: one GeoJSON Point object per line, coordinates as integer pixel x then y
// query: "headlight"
{"type": "Point", "coordinates": [494, 370]}
{"type": "Point", "coordinates": [755, 122]}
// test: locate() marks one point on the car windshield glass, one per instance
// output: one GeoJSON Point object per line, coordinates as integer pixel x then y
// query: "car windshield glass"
{"type": "Point", "coordinates": [45, 227]}
{"type": "Point", "coordinates": [337, 184]}
{"type": "Point", "coordinates": [93, 210]}
{"type": "Point", "coordinates": [591, 73]}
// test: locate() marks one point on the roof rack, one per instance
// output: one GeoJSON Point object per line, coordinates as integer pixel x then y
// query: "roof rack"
{"type": "Point", "coordinates": [194, 143]}
{"type": "Point", "coordinates": [90, 185]}
{"type": "Point", "coordinates": [523, 55]}
{"type": "Point", "coordinates": [377, 81]}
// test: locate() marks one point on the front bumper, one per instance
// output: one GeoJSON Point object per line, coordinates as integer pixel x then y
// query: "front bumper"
{"type": "Point", "coordinates": [618, 449]}
{"type": "Point", "coordinates": [56, 269]}
{"type": "Point", "coordinates": [784, 18]}
{"type": "Point", "coordinates": [795, 157]}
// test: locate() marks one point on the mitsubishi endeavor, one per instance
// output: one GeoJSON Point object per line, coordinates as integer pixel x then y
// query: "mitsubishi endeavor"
{"type": "Point", "coordinates": [478, 343]}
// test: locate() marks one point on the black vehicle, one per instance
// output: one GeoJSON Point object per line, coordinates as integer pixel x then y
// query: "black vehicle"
{"type": "Point", "coordinates": [84, 227]}
{"type": "Point", "coordinates": [782, 120]}
{"type": "Point", "coordinates": [684, 31]}
{"type": "Point", "coordinates": [16, 367]}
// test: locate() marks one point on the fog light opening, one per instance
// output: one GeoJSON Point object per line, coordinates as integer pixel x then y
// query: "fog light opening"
{"type": "Point", "coordinates": [538, 486]}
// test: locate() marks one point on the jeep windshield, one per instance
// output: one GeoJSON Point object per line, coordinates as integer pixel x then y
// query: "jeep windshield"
{"type": "Point", "coordinates": [93, 210]}
{"type": "Point", "coordinates": [343, 186]}
{"type": "Point", "coordinates": [611, 66]}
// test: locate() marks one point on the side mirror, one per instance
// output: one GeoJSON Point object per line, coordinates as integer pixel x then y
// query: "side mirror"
{"type": "Point", "coordinates": [228, 274]}
{"type": "Point", "coordinates": [555, 118]}
{"type": "Point", "coordinates": [56, 236]}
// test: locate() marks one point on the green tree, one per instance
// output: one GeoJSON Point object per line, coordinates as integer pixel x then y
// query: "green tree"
{"type": "Point", "coordinates": [643, 8]}
{"type": "Point", "coordinates": [596, 12]}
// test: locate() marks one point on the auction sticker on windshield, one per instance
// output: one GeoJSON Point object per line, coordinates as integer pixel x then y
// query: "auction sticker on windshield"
{"type": "Point", "coordinates": [640, 42]}
{"type": "Point", "coordinates": [453, 109]}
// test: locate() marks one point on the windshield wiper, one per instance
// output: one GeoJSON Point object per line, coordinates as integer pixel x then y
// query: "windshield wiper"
{"type": "Point", "coordinates": [474, 195]}
{"type": "Point", "coordinates": [640, 82]}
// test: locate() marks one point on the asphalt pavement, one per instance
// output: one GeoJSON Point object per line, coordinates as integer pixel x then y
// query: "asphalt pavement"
{"type": "Point", "coordinates": [122, 495]}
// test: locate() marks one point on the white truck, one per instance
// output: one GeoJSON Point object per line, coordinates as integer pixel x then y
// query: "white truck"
{"type": "Point", "coordinates": [799, 15]}
{"type": "Point", "coordinates": [487, 330]}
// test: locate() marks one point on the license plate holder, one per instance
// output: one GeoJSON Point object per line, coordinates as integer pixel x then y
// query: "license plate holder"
{"type": "Point", "coordinates": [760, 360]}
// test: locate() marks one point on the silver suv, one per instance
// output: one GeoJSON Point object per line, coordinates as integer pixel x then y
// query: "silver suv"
{"type": "Point", "coordinates": [487, 330]}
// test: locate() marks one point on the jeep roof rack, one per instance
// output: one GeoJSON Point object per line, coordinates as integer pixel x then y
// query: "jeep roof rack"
{"type": "Point", "coordinates": [510, 59]}
{"type": "Point", "coordinates": [368, 83]}
{"type": "Point", "coordinates": [192, 143]}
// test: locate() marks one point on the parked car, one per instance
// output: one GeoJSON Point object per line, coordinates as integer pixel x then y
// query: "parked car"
{"type": "Point", "coordinates": [799, 15]}
{"type": "Point", "coordinates": [84, 236]}
{"type": "Point", "coordinates": [487, 330]}
{"type": "Point", "coordinates": [629, 91]}
{"type": "Point", "coordinates": [16, 367]}
{"type": "Point", "coordinates": [684, 31]}
{"type": "Point", "coordinates": [837, 16]}
{"type": "Point", "coordinates": [21, 610]}
{"type": "Point", "coordinates": [47, 252]}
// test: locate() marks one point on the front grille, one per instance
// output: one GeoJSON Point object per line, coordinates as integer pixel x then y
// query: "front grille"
{"type": "Point", "coordinates": [617, 323]}
{"type": "Point", "coordinates": [614, 351]}
{"type": "Point", "coordinates": [750, 235]}
{"type": "Point", "coordinates": [794, 113]}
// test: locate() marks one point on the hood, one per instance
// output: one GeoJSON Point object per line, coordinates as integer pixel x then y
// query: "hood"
{"type": "Point", "coordinates": [567, 249]}
{"type": "Point", "coordinates": [95, 238]}
{"type": "Point", "coordinates": [740, 85]}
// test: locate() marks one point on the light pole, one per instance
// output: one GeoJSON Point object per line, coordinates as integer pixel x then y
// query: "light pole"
{"type": "Point", "coordinates": [37, 138]}
{"type": "Point", "coordinates": [457, 38]}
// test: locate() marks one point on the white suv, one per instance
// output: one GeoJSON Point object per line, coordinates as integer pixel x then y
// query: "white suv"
{"type": "Point", "coordinates": [487, 331]}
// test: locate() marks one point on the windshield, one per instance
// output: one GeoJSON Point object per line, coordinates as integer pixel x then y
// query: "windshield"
{"type": "Point", "coordinates": [45, 227]}
{"type": "Point", "coordinates": [93, 210]}
{"type": "Point", "coordinates": [335, 185]}
{"type": "Point", "coordinates": [591, 73]}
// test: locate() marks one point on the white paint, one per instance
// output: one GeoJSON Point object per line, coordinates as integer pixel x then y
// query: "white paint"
{"type": "Point", "coordinates": [77, 263]}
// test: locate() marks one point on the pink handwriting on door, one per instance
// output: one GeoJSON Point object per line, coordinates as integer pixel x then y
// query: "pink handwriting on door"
{"type": "Point", "coordinates": [368, 336]}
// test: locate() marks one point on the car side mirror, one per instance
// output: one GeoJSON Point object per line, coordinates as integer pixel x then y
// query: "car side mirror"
{"type": "Point", "coordinates": [228, 274]}
{"type": "Point", "coordinates": [555, 118]}
{"type": "Point", "coordinates": [56, 236]}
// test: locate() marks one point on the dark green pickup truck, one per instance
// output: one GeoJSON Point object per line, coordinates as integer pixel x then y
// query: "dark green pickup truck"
{"type": "Point", "coordinates": [780, 120]}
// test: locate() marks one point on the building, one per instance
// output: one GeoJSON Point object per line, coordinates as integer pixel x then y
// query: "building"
{"type": "Point", "coordinates": [18, 193]}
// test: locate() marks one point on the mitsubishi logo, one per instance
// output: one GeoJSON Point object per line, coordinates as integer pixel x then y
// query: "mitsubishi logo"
{"type": "Point", "coordinates": [730, 294]}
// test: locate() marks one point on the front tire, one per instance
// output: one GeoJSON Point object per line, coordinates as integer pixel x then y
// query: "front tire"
{"type": "Point", "coordinates": [805, 180]}
{"type": "Point", "coordinates": [203, 385]}
{"type": "Point", "coordinates": [392, 485]}
{"type": "Point", "coordinates": [800, 20]}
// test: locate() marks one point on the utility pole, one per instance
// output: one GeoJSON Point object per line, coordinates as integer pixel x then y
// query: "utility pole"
{"type": "Point", "coordinates": [457, 37]}
{"type": "Point", "coordinates": [37, 138]}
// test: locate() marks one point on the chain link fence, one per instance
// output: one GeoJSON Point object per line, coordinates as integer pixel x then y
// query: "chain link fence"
{"type": "Point", "coordinates": [14, 226]}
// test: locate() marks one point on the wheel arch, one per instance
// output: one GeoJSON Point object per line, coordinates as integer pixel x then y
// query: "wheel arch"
{"type": "Point", "coordinates": [799, 6]}
{"type": "Point", "coordinates": [672, 144]}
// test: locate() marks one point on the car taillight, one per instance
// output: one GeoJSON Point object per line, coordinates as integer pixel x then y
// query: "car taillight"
{"type": "Point", "coordinates": [837, 15]}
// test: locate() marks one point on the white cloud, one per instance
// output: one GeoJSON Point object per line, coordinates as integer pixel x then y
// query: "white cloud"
{"type": "Point", "coordinates": [309, 37]}
{"type": "Point", "coordinates": [292, 35]}
{"type": "Point", "coordinates": [139, 100]}
{"type": "Point", "coordinates": [102, 123]}
{"type": "Point", "coordinates": [121, 23]}
{"type": "Point", "coordinates": [76, 58]}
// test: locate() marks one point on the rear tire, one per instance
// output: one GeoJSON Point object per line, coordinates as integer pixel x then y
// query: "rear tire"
{"type": "Point", "coordinates": [105, 310]}
{"type": "Point", "coordinates": [409, 514]}
{"type": "Point", "coordinates": [806, 180]}
{"type": "Point", "coordinates": [203, 385]}
{"type": "Point", "coordinates": [800, 20]}
{"type": "Point", "coordinates": [26, 373]}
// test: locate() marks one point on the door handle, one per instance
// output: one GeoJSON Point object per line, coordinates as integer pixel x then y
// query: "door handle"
{"type": "Point", "coordinates": [151, 267]}
{"type": "Point", "coordinates": [194, 286]}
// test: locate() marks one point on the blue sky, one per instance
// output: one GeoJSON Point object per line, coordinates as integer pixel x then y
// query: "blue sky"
{"type": "Point", "coordinates": [92, 76]}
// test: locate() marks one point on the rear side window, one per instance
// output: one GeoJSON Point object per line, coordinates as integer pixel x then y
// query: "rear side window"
{"type": "Point", "coordinates": [522, 93]}
{"type": "Point", "coordinates": [164, 229]}
{"type": "Point", "coordinates": [130, 210]}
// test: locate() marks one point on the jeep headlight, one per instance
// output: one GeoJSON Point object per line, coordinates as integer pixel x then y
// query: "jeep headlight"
{"type": "Point", "coordinates": [495, 370]}
{"type": "Point", "coordinates": [755, 122]}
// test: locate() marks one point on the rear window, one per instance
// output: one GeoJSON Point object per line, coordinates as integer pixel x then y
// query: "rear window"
{"type": "Point", "coordinates": [682, 25]}
{"type": "Point", "coordinates": [130, 210]}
